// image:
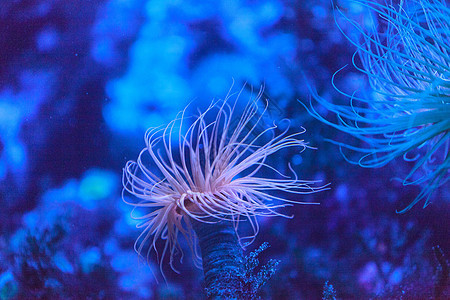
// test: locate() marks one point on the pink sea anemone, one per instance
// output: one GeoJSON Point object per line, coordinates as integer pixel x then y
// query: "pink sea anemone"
{"type": "Point", "coordinates": [208, 172]}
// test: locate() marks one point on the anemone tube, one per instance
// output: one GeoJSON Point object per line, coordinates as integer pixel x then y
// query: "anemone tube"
{"type": "Point", "coordinates": [208, 179]}
{"type": "Point", "coordinates": [405, 54]}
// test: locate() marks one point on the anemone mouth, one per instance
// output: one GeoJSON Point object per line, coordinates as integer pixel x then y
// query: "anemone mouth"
{"type": "Point", "coordinates": [189, 205]}
{"type": "Point", "coordinates": [213, 169]}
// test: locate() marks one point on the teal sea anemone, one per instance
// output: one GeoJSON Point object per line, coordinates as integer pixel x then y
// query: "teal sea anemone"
{"type": "Point", "coordinates": [405, 55]}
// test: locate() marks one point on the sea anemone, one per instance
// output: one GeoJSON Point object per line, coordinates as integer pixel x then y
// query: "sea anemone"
{"type": "Point", "coordinates": [210, 173]}
{"type": "Point", "coordinates": [405, 54]}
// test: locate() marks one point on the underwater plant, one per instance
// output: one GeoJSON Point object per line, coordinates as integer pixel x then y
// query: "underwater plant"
{"type": "Point", "coordinates": [208, 178]}
{"type": "Point", "coordinates": [405, 53]}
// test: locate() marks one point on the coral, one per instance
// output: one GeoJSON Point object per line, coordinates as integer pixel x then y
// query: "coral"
{"type": "Point", "coordinates": [442, 273]}
{"type": "Point", "coordinates": [329, 293]}
{"type": "Point", "coordinates": [37, 273]}
{"type": "Point", "coordinates": [252, 283]}
{"type": "Point", "coordinates": [248, 281]}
